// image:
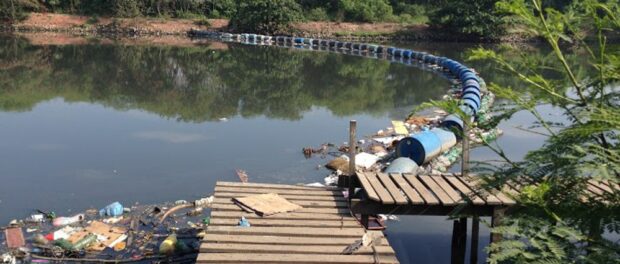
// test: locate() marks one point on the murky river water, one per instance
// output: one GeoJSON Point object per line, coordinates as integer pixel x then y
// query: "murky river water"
{"type": "Point", "coordinates": [86, 125]}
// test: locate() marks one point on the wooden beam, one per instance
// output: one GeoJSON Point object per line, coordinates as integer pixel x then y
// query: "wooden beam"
{"type": "Point", "coordinates": [287, 231]}
{"type": "Point", "coordinates": [281, 240]}
{"type": "Point", "coordinates": [289, 249]}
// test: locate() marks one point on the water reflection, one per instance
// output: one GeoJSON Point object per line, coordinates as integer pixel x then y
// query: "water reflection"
{"type": "Point", "coordinates": [198, 84]}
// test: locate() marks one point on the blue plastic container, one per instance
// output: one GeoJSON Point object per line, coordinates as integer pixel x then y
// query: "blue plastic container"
{"type": "Point", "coordinates": [420, 147]}
{"type": "Point", "coordinates": [356, 46]}
{"type": "Point", "coordinates": [114, 209]}
{"type": "Point", "coordinates": [390, 50]}
{"type": "Point", "coordinates": [402, 165]}
{"type": "Point", "coordinates": [471, 90]}
{"type": "Point", "coordinates": [340, 45]}
{"type": "Point", "coordinates": [447, 138]}
{"type": "Point", "coordinates": [407, 53]}
{"type": "Point", "coordinates": [453, 123]}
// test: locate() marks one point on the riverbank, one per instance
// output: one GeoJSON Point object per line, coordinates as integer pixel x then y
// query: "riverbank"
{"type": "Point", "coordinates": [90, 26]}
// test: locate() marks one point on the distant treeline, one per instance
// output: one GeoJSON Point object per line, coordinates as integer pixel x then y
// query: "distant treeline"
{"type": "Point", "coordinates": [467, 17]}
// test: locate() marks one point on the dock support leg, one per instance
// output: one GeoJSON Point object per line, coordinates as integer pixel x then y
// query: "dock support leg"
{"type": "Point", "coordinates": [496, 219]}
{"type": "Point", "coordinates": [459, 241]}
{"type": "Point", "coordinates": [365, 220]}
{"type": "Point", "coordinates": [475, 232]}
{"type": "Point", "coordinates": [352, 153]}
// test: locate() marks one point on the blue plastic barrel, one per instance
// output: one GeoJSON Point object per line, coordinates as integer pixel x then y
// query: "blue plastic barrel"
{"type": "Point", "coordinates": [420, 147]}
{"type": "Point", "coordinates": [340, 45]}
{"type": "Point", "coordinates": [390, 50]}
{"type": "Point", "coordinates": [472, 90]}
{"type": "Point", "coordinates": [380, 49]}
{"type": "Point", "coordinates": [447, 138]}
{"type": "Point", "coordinates": [356, 46]}
{"type": "Point", "coordinates": [363, 46]}
{"type": "Point", "coordinates": [453, 123]}
{"type": "Point", "coordinates": [398, 52]}
{"type": "Point", "coordinates": [402, 165]}
{"type": "Point", "coordinates": [372, 48]}
{"type": "Point", "coordinates": [407, 53]}
{"type": "Point", "coordinates": [348, 45]}
{"type": "Point", "coordinates": [323, 42]}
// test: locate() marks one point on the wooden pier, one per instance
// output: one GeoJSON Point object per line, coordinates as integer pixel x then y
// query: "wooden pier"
{"type": "Point", "coordinates": [317, 233]}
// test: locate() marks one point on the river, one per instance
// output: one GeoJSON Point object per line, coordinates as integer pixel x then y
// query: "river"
{"type": "Point", "coordinates": [85, 125]}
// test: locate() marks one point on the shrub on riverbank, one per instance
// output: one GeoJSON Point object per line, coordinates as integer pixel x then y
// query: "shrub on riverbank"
{"type": "Point", "coordinates": [265, 16]}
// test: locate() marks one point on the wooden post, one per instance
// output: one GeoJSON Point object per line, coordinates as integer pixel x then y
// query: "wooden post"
{"type": "Point", "coordinates": [459, 241]}
{"type": "Point", "coordinates": [475, 232]}
{"type": "Point", "coordinates": [465, 153]}
{"type": "Point", "coordinates": [352, 146]}
{"type": "Point", "coordinates": [496, 219]}
{"type": "Point", "coordinates": [352, 150]}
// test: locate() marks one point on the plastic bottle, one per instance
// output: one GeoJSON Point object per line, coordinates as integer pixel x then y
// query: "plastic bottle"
{"type": "Point", "coordinates": [62, 221]}
{"type": "Point", "coordinates": [113, 209]}
{"type": "Point", "coordinates": [85, 242]}
{"type": "Point", "coordinates": [168, 245]}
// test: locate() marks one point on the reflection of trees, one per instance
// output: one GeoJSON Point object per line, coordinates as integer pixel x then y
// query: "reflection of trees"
{"type": "Point", "coordinates": [197, 84]}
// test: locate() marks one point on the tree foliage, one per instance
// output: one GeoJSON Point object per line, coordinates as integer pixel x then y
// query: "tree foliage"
{"type": "Point", "coordinates": [265, 16]}
{"type": "Point", "coordinates": [475, 18]}
{"type": "Point", "coordinates": [558, 220]}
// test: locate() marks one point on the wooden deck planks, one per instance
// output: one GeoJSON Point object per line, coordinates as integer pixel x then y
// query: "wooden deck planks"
{"type": "Point", "coordinates": [383, 193]}
{"type": "Point", "coordinates": [289, 249]}
{"type": "Point", "coordinates": [427, 195]}
{"type": "Point", "coordinates": [372, 194]}
{"type": "Point", "coordinates": [399, 198]}
{"type": "Point", "coordinates": [304, 203]}
{"type": "Point", "coordinates": [412, 194]}
{"type": "Point", "coordinates": [284, 216]}
{"type": "Point", "coordinates": [465, 191]}
{"type": "Point", "coordinates": [285, 223]}
{"type": "Point", "coordinates": [282, 240]}
{"type": "Point", "coordinates": [292, 258]}
{"type": "Point", "coordinates": [448, 189]}
{"type": "Point", "coordinates": [316, 233]}
{"type": "Point", "coordinates": [440, 193]}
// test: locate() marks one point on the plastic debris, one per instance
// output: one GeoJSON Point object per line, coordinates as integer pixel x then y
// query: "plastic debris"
{"type": "Point", "coordinates": [365, 160]}
{"type": "Point", "coordinates": [204, 202]}
{"type": "Point", "coordinates": [168, 245]}
{"type": "Point", "coordinates": [179, 202]}
{"type": "Point", "coordinates": [113, 209]}
{"type": "Point", "coordinates": [243, 222]}
{"type": "Point", "coordinates": [62, 221]}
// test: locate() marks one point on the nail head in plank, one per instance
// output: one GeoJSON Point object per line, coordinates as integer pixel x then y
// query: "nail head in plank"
{"type": "Point", "coordinates": [399, 198]}
{"type": "Point", "coordinates": [413, 195]}
{"type": "Point", "coordinates": [383, 193]}
{"type": "Point", "coordinates": [427, 195]}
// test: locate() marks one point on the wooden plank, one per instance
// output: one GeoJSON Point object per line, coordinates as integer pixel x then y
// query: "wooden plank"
{"type": "Point", "coordinates": [612, 185]}
{"type": "Point", "coordinates": [394, 191]}
{"type": "Point", "coordinates": [282, 240]}
{"type": "Point", "coordinates": [234, 207]}
{"type": "Point", "coordinates": [286, 196]}
{"type": "Point", "coordinates": [285, 223]}
{"type": "Point", "coordinates": [466, 191]}
{"type": "Point", "coordinates": [287, 231]}
{"type": "Point", "coordinates": [489, 198]}
{"type": "Point", "coordinates": [383, 193]}
{"type": "Point", "coordinates": [278, 191]}
{"type": "Point", "coordinates": [289, 249]}
{"type": "Point", "coordinates": [427, 195]}
{"type": "Point", "coordinates": [448, 189]}
{"type": "Point", "coordinates": [413, 195]}
{"type": "Point", "coordinates": [283, 216]}
{"type": "Point", "coordinates": [293, 258]}
{"type": "Point", "coordinates": [438, 191]}
{"type": "Point", "coordinates": [601, 186]}
{"type": "Point", "coordinates": [372, 194]}
{"type": "Point", "coordinates": [304, 203]}
{"type": "Point", "coordinates": [593, 189]}
{"type": "Point", "coordinates": [276, 186]}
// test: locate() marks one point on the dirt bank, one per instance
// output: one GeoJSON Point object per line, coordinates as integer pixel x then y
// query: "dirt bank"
{"type": "Point", "coordinates": [83, 25]}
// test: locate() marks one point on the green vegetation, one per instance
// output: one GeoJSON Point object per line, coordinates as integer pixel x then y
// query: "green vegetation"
{"type": "Point", "coordinates": [558, 220]}
{"type": "Point", "coordinates": [269, 16]}
{"type": "Point", "coordinates": [475, 18]}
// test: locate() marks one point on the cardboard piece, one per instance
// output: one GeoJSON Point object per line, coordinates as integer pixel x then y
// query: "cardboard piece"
{"type": "Point", "coordinates": [399, 128]}
{"type": "Point", "coordinates": [14, 237]}
{"type": "Point", "coordinates": [107, 235]}
{"type": "Point", "coordinates": [266, 204]}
